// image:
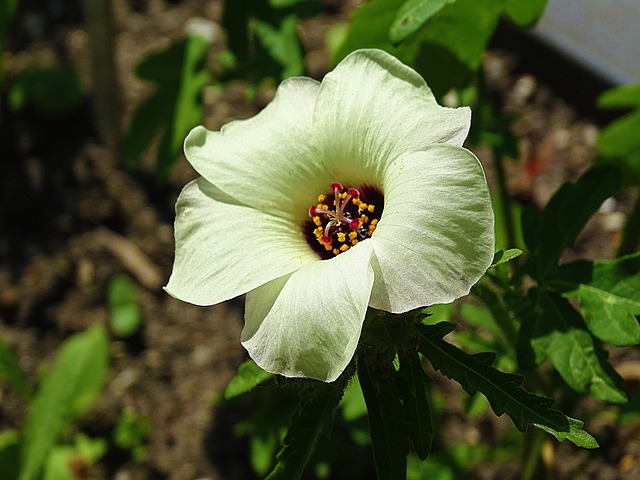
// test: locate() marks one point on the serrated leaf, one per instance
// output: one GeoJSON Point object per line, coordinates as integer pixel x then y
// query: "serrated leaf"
{"type": "Point", "coordinates": [575, 434]}
{"type": "Point", "coordinates": [12, 373]}
{"type": "Point", "coordinates": [69, 389]}
{"type": "Point", "coordinates": [564, 217]}
{"type": "Point", "coordinates": [561, 336]}
{"type": "Point", "coordinates": [525, 13]}
{"type": "Point", "coordinates": [387, 427]}
{"type": "Point", "coordinates": [412, 381]}
{"type": "Point", "coordinates": [179, 75]}
{"type": "Point", "coordinates": [248, 377]}
{"type": "Point", "coordinates": [504, 256]}
{"type": "Point", "coordinates": [609, 296]}
{"type": "Point", "coordinates": [475, 373]}
{"type": "Point", "coordinates": [313, 417]}
{"type": "Point", "coordinates": [412, 15]}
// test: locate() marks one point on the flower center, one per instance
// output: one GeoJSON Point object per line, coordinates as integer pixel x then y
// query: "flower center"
{"type": "Point", "coordinates": [342, 218]}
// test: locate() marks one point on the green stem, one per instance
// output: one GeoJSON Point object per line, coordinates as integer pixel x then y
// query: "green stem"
{"type": "Point", "coordinates": [631, 234]}
{"type": "Point", "coordinates": [533, 453]}
{"type": "Point", "coordinates": [505, 198]}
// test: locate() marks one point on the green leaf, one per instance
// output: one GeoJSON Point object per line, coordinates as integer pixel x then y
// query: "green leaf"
{"type": "Point", "coordinates": [620, 143]}
{"type": "Point", "coordinates": [125, 317]}
{"type": "Point", "coordinates": [50, 91]}
{"type": "Point", "coordinates": [625, 96]}
{"type": "Point", "coordinates": [10, 454]}
{"type": "Point", "coordinates": [70, 388]}
{"type": "Point", "coordinates": [575, 434]}
{"type": "Point", "coordinates": [282, 44]}
{"type": "Point", "coordinates": [387, 427]}
{"type": "Point", "coordinates": [248, 377]}
{"type": "Point", "coordinates": [563, 218]}
{"type": "Point", "coordinates": [525, 13]}
{"type": "Point", "coordinates": [504, 256]}
{"type": "Point", "coordinates": [412, 381]}
{"type": "Point", "coordinates": [175, 107]}
{"type": "Point", "coordinates": [609, 295]}
{"type": "Point", "coordinates": [559, 334]}
{"type": "Point", "coordinates": [412, 15]}
{"type": "Point", "coordinates": [313, 417]}
{"type": "Point", "coordinates": [476, 374]}
{"type": "Point", "coordinates": [64, 461]}
{"type": "Point", "coordinates": [370, 24]}
{"type": "Point", "coordinates": [12, 373]}
{"type": "Point", "coordinates": [453, 42]}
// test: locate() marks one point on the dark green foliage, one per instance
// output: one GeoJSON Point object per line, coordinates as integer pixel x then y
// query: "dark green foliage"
{"type": "Point", "coordinates": [12, 373]}
{"type": "Point", "coordinates": [387, 426]}
{"type": "Point", "coordinates": [49, 91]}
{"type": "Point", "coordinates": [175, 107]}
{"type": "Point", "coordinates": [549, 233]}
{"type": "Point", "coordinates": [476, 374]}
{"type": "Point", "coordinates": [313, 418]}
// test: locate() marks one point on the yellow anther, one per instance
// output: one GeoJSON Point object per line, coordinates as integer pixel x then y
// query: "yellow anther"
{"type": "Point", "coordinates": [343, 195]}
{"type": "Point", "coordinates": [323, 206]}
{"type": "Point", "coordinates": [327, 246]}
{"type": "Point", "coordinates": [352, 235]}
{"type": "Point", "coordinates": [371, 208]}
{"type": "Point", "coordinates": [356, 201]}
{"type": "Point", "coordinates": [336, 251]}
{"type": "Point", "coordinates": [342, 236]}
{"type": "Point", "coordinates": [344, 247]}
{"type": "Point", "coordinates": [317, 221]}
{"type": "Point", "coordinates": [363, 219]}
{"type": "Point", "coordinates": [354, 241]}
{"type": "Point", "coordinates": [321, 198]}
{"type": "Point", "coordinates": [374, 222]}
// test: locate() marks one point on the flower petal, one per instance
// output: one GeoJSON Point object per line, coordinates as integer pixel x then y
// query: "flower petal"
{"type": "Point", "coordinates": [436, 235]}
{"type": "Point", "coordinates": [372, 108]}
{"type": "Point", "coordinates": [224, 249]}
{"type": "Point", "coordinates": [308, 324]}
{"type": "Point", "coordinates": [263, 160]}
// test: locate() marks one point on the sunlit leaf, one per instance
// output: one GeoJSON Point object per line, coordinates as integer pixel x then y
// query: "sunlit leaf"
{"type": "Point", "coordinates": [248, 377]}
{"type": "Point", "coordinates": [282, 44]}
{"type": "Point", "coordinates": [476, 374]}
{"type": "Point", "coordinates": [69, 389]}
{"type": "Point", "coordinates": [504, 256]}
{"type": "Point", "coordinates": [609, 295]}
{"type": "Point", "coordinates": [525, 13]}
{"type": "Point", "coordinates": [412, 15]}
{"type": "Point", "coordinates": [620, 143]}
{"type": "Point", "coordinates": [624, 96]}
{"type": "Point", "coordinates": [557, 331]}
{"type": "Point", "coordinates": [175, 107]}
{"type": "Point", "coordinates": [575, 434]}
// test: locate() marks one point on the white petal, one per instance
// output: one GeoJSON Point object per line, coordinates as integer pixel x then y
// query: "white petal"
{"type": "Point", "coordinates": [309, 324]}
{"type": "Point", "coordinates": [435, 237]}
{"type": "Point", "coordinates": [372, 108]}
{"type": "Point", "coordinates": [224, 249]}
{"type": "Point", "coordinates": [269, 161]}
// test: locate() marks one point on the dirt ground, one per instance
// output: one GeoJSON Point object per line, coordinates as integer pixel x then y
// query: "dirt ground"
{"type": "Point", "coordinates": [71, 218]}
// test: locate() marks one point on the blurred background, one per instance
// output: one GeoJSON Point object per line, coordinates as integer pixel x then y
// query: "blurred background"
{"type": "Point", "coordinates": [102, 374]}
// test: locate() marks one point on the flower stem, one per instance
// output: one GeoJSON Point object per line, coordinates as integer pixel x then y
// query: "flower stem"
{"type": "Point", "coordinates": [505, 198]}
{"type": "Point", "coordinates": [631, 234]}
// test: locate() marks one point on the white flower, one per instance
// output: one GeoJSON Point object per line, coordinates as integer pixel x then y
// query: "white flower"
{"type": "Point", "coordinates": [262, 219]}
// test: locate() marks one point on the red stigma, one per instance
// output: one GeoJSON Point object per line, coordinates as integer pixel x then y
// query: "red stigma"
{"type": "Point", "coordinates": [354, 192]}
{"type": "Point", "coordinates": [336, 185]}
{"type": "Point", "coordinates": [325, 239]}
{"type": "Point", "coordinates": [312, 210]}
{"type": "Point", "coordinates": [353, 224]}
